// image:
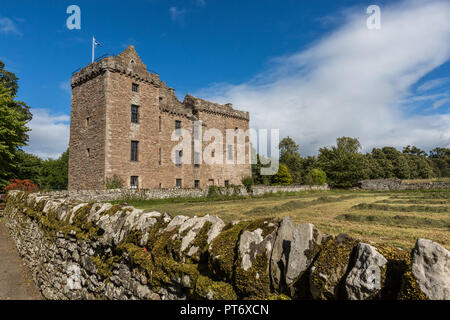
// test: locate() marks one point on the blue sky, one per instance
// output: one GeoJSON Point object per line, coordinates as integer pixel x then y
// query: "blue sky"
{"type": "Point", "coordinates": [310, 68]}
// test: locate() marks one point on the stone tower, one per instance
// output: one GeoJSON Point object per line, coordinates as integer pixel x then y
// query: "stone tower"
{"type": "Point", "coordinates": [122, 120]}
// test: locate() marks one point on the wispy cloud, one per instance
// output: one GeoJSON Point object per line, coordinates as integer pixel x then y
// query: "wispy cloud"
{"type": "Point", "coordinates": [177, 15]}
{"type": "Point", "coordinates": [65, 86]}
{"type": "Point", "coordinates": [49, 135]}
{"type": "Point", "coordinates": [432, 84]}
{"type": "Point", "coordinates": [350, 82]}
{"type": "Point", "coordinates": [439, 104]}
{"type": "Point", "coordinates": [7, 26]}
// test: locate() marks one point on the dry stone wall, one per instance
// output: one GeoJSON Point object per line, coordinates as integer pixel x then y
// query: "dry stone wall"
{"type": "Point", "coordinates": [397, 184]}
{"type": "Point", "coordinates": [146, 194]}
{"type": "Point", "coordinates": [104, 251]}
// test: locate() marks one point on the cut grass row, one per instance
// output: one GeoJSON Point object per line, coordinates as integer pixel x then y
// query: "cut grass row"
{"type": "Point", "coordinates": [414, 208]}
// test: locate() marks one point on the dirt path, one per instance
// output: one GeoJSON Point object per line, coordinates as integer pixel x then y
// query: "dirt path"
{"type": "Point", "coordinates": [15, 279]}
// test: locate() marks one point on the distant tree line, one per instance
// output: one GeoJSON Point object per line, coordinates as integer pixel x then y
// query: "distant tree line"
{"type": "Point", "coordinates": [343, 165]}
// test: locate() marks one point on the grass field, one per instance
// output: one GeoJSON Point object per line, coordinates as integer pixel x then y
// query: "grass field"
{"type": "Point", "coordinates": [395, 218]}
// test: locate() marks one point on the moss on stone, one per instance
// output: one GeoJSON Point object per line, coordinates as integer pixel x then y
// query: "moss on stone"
{"type": "Point", "coordinates": [254, 282]}
{"type": "Point", "coordinates": [105, 265]}
{"type": "Point", "coordinates": [330, 267]}
{"type": "Point", "coordinates": [206, 288]}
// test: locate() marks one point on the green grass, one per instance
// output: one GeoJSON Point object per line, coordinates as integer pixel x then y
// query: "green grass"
{"type": "Point", "coordinates": [398, 220]}
{"type": "Point", "coordinates": [383, 207]}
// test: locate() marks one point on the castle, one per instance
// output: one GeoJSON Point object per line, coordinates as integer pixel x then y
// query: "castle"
{"type": "Point", "coordinates": [125, 121]}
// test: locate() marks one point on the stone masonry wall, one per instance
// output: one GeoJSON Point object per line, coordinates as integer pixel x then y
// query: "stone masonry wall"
{"type": "Point", "coordinates": [397, 184]}
{"type": "Point", "coordinates": [104, 251]}
{"type": "Point", "coordinates": [147, 194]}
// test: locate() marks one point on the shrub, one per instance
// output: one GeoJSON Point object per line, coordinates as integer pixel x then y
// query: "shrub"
{"type": "Point", "coordinates": [282, 177]}
{"type": "Point", "coordinates": [316, 177]}
{"type": "Point", "coordinates": [114, 182]}
{"type": "Point", "coordinates": [23, 185]}
{"type": "Point", "coordinates": [248, 183]}
{"type": "Point", "coordinates": [213, 192]}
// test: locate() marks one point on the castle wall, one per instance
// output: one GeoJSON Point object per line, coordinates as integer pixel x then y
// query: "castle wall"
{"type": "Point", "coordinates": [87, 169]}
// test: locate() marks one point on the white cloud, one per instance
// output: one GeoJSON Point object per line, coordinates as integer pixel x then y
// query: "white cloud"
{"type": "Point", "coordinates": [177, 15]}
{"type": "Point", "coordinates": [439, 103]}
{"type": "Point", "coordinates": [432, 84]}
{"type": "Point", "coordinates": [7, 26]}
{"type": "Point", "coordinates": [49, 135]}
{"type": "Point", "coordinates": [352, 81]}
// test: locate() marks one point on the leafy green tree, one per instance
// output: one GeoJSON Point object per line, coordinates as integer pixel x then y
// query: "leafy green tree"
{"type": "Point", "coordinates": [343, 164]}
{"type": "Point", "coordinates": [14, 115]}
{"type": "Point", "coordinates": [290, 157]}
{"type": "Point", "coordinates": [316, 177]}
{"type": "Point", "coordinates": [282, 177]}
{"type": "Point", "coordinates": [28, 166]}
{"type": "Point", "coordinates": [440, 161]}
{"type": "Point", "coordinates": [55, 172]}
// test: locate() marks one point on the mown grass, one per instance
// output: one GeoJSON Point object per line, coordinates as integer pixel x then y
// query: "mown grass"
{"type": "Point", "coordinates": [369, 216]}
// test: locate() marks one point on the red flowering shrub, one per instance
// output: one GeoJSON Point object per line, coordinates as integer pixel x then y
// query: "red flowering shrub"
{"type": "Point", "coordinates": [23, 185]}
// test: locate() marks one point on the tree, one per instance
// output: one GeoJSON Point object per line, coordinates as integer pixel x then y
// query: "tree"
{"type": "Point", "coordinates": [290, 157]}
{"type": "Point", "coordinates": [440, 161]}
{"type": "Point", "coordinates": [282, 177]}
{"type": "Point", "coordinates": [343, 164]}
{"type": "Point", "coordinates": [14, 115]}
{"type": "Point", "coordinates": [55, 172]}
{"type": "Point", "coordinates": [316, 177]}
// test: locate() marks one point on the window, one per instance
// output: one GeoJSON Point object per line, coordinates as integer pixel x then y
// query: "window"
{"type": "Point", "coordinates": [134, 182]}
{"type": "Point", "coordinates": [134, 113]}
{"type": "Point", "coordinates": [135, 87]}
{"type": "Point", "coordinates": [88, 120]}
{"type": "Point", "coordinates": [196, 159]}
{"type": "Point", "coordinates": [213, 153]}
{"type": "Point", "coordinates": [160, 99]}
{"type": "Point", "coordinates": [178, 127]}
{"type": "Point", "coordinates": [160, 124]}
{"type": "Point", "coordinates": [160, 185]}
{"type": "Point", "coordinates": [230, 152]}
{"type": "Point", "coordinates": [88, 152]}
{"type": "Point", "coordinates": [134, 150]}
{"type": "Point", "coordinates": [196, 184]}
{"type": "Point", "coordinates": [178, 155]}
{"type": "Point", "coordinates": [211, 182]}
{"type": "Point", "coordinates": [160, 157]}
{"type": "Point", "coordinates": [227, 183]}
{"type": "Point", "coordinates": [178, 183]}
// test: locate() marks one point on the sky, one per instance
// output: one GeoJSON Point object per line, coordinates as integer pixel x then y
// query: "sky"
{"type": "Point", "coordinates": [312, 69]}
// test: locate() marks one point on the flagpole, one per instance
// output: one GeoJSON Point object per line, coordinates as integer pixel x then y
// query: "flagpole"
{"type": "Point", "coordinates": [93, 48]}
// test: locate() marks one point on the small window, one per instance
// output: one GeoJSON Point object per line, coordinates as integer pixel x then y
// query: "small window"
{"type": "Point", "coordinates": [213, 153]}
{"type": "Point", "coordinates": [211, 182]}
{"type": "Point", "coordinates": [160, 157]}
{"type": "Point", "coordinates": [196, 159]}
{"type": "Point", "coordinates": [196, 184]}
{"type": "Point", "coordinates": [160, 125]}
{"type": "Point", "coordinates": [88, 121]}
{"type": "Point", "coordinates": [230, 152]}
{"type": "Point", "coordinates": [178, 127]}
{"type": "Point", "coordinates": [134, 182]}
{"type": "Point", "coordinates": [160, 99]}
{"type": "Point", "coordinates": [178, 156]}
{"type": "Point", "coordinates": [178, 183]}
{"type": "Point", "coordinates": [88, 152]}
{"type": "Point", "coordinates": [160, 185]}
{"type": "Point", "coordinates": [135, 87]}
{"type": "Point", "coordinates": [236, 129]}
{"type": "Point", "coordinates": [134, 114]}
{"type": "Point", "coordinates": [227, 183]}
{"type": "Point", "coordinates": [134, 150]}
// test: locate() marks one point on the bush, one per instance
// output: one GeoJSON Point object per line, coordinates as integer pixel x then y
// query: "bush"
{"type": "Point", "coordinates": [248, 183]}
{"type": "Point", "coordinates": [316, 177]}
{"type": "Point", "coordinates": [283, 177]}
{"type": "Point", "coordinates": [23, 185]}
{"type": "Point", "coordinates": [213, 192]}
{"type": "Point", "coordinates": [114, 182]}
